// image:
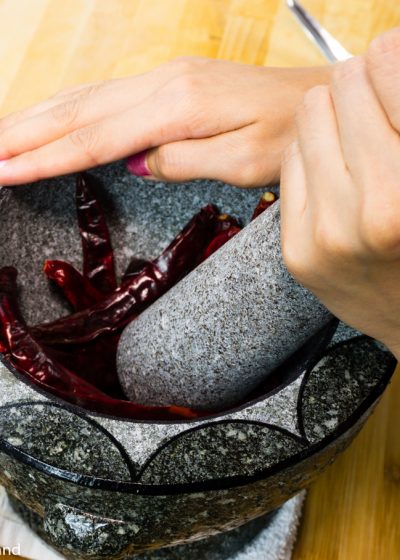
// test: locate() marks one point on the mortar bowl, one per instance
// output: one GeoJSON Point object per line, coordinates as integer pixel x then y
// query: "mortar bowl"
{"type": "Point", "coordinates": [95, 486]}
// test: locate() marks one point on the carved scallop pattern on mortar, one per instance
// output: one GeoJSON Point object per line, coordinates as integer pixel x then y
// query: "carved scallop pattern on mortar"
{"type": "Point", "coordinates": [278, 406]}
{"type": "Point", "coordinates": [57, 436]}
{"type": "Point", "coordinates": [339, 383]}
{"type": "Point", "coordinates": [220, 450]}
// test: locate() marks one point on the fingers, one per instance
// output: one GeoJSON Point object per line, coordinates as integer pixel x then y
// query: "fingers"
{"type": "Point", "coordinates": [320, 147]}
{"type": "Point", "coordinates": [110, 139]}
{"type": "Point", "coordinates": [59, 116]}
{"type": "Point", "coordinates": [48, 121]}
{"type": "Point", "coordinates": [19, 116]}
{"type": "Point", "coordinates": [227, 157]}
{"type": "Point", "coordinates": [319, 221]}
{"type": "Point", "coordinates": [293, 195]}
{"type": "Point", "coordinates": [367, 137]}
{"type": "Point", "coordinates": [383, 67]}
{"type": "Point", "coordinates": [330, 193]}
{"type": "Point", "coordinates": [296, 222]}
{"type": "Point", "coordinates": [113, 138]}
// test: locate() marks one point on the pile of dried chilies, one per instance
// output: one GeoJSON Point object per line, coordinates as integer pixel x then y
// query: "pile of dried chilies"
{"type": "Point", "coordinates": [74, 357]}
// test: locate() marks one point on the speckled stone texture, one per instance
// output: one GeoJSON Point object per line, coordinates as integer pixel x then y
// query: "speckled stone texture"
{"type": "Point", "coordinates": [199, 478]}
{"type": "Point", "coordinates": [269, 537]}
{"type": "Point", "coordinates": [274, 419]}
{"type": "Point", "coordinates": [219, 332]}
{"type": "Point", "coordinates": [83, 522]}
{"type": "Point", "coordinates": [39, 222]}
{"type": "Point", "coordinates": [102, 487]}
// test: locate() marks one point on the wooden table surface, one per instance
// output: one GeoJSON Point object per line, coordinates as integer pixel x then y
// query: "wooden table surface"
{"type": "Point", "coordinates": [353, 510]}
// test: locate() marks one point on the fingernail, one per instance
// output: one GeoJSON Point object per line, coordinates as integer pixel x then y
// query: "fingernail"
{"type": "Point", "coordinates": [3, 162]}
{"type": "Point", "coordinates": [137, 164]}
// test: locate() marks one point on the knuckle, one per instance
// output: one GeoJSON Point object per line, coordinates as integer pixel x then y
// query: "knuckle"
{"type": "Point", "coordinates": [166, 162]}
{"type": "Point", "coordinates": [67, 91]}
{"type": "Point", "coordinates": [180, 70]}
{"type": "Point", "coordinates": [380, 233]}
{"type": "Point", "coordinates": [190, 107]}
{"type": "Point", "coordinates": [187, 63]}
{"type": "Point", "coordinates": [383, 44]}
{"type": "Point", "coordinates": [347, 71]}
{"type": "Point", "coordinates": [330, 243]}
{"type": "Point", "coordinates": [194, 120]}
{"type": "Point", "coordinates": [38, 167]}
{"type": "Point", "coordinates": [188, 85]}
{"type": "Point", "coordinates": [181, 64]}
{"type": "Point", "coordinates": [293, 261]}
{"type": "Point", "coordinates": [93, 89]}
{"type": "Point", "coordinates": [62, 92]}
{"type": "Point", "coordinates": [80, 91]}
{"type": "Point", "coordinates": [317, 101]}
{"type": "Point", "coordinates": [250, 172]}
{"type": "Point", "coordinates": [87, 140]}
{"type": "Point", "coordinates": [318, 95]}
{"type": "Point", "coordinates": [65, 114]}
{"type": "Point", "coordinates": [10, 120]}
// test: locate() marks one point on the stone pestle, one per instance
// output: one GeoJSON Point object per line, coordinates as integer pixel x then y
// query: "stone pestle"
{"type": "Point", "coordinates": [221, 330]}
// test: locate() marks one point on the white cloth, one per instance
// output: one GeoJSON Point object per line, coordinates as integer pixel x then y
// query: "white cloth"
{"type": "Point", "coordinates": [17, 536]}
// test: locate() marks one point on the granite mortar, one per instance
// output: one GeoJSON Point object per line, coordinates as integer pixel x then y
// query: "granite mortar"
{"type": "Point", "coordinates": [101, 487]}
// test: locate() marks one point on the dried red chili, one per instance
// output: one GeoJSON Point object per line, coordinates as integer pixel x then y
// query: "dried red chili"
{"type": "Point", "coordinates": [77, 290]}
{"type": "Point", "coordinates": [220, 240]}
{"type": "Point", "coordinates": [226, 222]}
{"type": "Point", "coordinates": [181, 256]}
{"type": "Point", "coordinates": [229, 226]}
{"type": "Point", "coordinates": [226, 227]}
{"type": "Point", "coordinates": [8, 286]}
{"type": "Point", "coordinates": [267, 199]}
{"type": "Point", "coordinates": [95, 362]}
{"type": "Point", "coordinates": [75, 357]}
{"type": "Point", "coordinates": [33, 361]}
{"type": "Point", "coordinates": [134, 268]}
{"type": "Point", "coordinates": [124, 304]}
{"type": "Point", "coordinates": [98, 257]}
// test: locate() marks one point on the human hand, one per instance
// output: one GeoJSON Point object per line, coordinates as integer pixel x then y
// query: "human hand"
{"type": "Point", "coordinates": [340, 193]}
{"type": "Point", "coordinates": [201, 118]}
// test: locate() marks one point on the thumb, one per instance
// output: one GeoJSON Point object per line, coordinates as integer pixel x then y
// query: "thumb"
{"type": "Point", "coordinates": [228, 157]}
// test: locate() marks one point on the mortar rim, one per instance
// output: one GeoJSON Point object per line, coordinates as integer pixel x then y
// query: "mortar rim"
{"type": "Point", "coordinates": [137, 488]}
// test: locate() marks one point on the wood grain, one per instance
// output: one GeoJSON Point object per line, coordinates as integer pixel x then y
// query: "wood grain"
{"type": "Point", "coordinates": [353, 510]}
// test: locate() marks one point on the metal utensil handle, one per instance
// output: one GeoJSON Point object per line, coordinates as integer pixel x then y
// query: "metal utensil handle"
{"type": "Point", "coordinates": [330, 47]}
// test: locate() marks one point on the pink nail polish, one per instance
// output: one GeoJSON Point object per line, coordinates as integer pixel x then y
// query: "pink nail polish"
{"type": "Point", "coordinates": [137, 165]}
